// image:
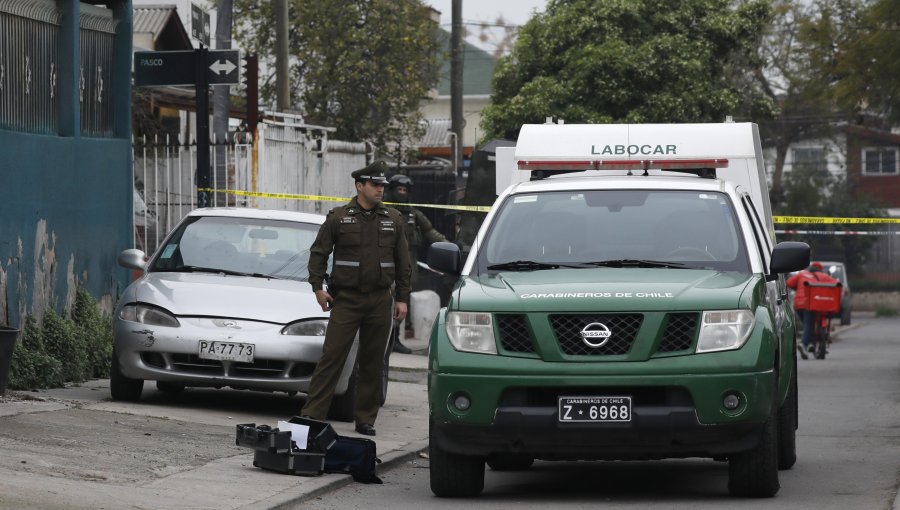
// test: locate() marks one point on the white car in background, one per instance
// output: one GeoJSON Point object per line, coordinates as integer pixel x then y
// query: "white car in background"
{"type": "Point", "coordinates": [225, 301]}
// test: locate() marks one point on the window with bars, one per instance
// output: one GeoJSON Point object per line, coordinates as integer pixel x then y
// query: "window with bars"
{"type": "Point", "coordinates": [880, 161]}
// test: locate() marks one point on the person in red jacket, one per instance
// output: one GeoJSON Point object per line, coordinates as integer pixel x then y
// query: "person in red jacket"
{"type": "Point", "coordinates": [801, 300]}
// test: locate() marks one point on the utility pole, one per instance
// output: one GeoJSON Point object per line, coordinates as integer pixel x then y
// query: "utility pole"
{"type": "Point", "coordinates": [282, 81]}
{"type": "Point", "coordinates": [457, 122]}
{"type": "Point", "coordinates": [222, 100]}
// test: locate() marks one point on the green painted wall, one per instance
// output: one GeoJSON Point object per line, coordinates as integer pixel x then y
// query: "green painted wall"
{"type": "Point", "coordinates": [66, 201]}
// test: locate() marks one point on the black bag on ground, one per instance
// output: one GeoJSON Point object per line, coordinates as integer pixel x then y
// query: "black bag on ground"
{"type": "Point", "coordinates": [354, 456]}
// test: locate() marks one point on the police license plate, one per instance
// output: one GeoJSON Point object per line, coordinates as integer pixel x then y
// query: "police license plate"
{"type": "Point", "coordinates": [226, 351]}
{"type": "Point", "coordinates": [595, 409]}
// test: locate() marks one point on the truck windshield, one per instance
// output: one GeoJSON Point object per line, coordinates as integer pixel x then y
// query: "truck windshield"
{"type": "Point", "coordinates": [616, 229]}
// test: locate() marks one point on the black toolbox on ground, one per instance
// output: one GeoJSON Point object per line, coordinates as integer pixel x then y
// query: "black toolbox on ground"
{"type": "Point", "coordinates": [263, 438]}
{"type": "Point", "coordinates": [275, 450]}
{"type": "Point", "coordinates": [298, 462]}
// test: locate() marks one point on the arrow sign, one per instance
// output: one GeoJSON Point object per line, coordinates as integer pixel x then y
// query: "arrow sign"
{"type": "Point", "coordinates": [222, 66]}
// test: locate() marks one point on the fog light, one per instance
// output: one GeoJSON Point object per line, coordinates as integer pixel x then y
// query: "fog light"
{"type": "Point", "coordinates": [462, 402]}
{"type": "Point", "coordinates": [731, 401]}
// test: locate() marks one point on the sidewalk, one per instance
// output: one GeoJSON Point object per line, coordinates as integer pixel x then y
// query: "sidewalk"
{"type": "Point", "coordinates": [74, 448]}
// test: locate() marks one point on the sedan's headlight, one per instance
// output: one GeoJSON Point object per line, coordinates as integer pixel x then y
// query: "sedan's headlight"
{"type": "Point", "coordinates": [724, 330]}
{"type": "Point", "coordinates": [471, 332]}
{"type": "Point", "coordinates": [146, 314]}
{"type": "Point", "coordinates": [315, 327]}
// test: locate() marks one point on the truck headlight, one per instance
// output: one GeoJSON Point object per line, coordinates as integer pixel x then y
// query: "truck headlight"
{"type": "Point", "coordinates": [724, 330]}
{"type": "Point", "coordinates": [471, 332]}
{"type": "Point", "coordinates": [315, 327]}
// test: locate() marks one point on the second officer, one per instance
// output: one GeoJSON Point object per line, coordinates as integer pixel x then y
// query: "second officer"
{"type": "Point", "coordinates": [370, 256]}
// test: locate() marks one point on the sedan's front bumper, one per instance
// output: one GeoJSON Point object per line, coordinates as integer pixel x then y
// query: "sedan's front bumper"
{"type": "Point", "coordinates": [280, 362]}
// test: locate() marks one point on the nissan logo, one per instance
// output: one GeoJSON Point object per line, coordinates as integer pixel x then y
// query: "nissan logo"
{"type": "Point", "coordinates": [595, 334]}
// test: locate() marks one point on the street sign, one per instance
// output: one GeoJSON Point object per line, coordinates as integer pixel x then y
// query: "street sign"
{"type": "Point", "coordinates": [154, 68]}
{"type": "Point", "coordinates": [157, 68]}
{"type": "Point", "coordinates": [224, 67]}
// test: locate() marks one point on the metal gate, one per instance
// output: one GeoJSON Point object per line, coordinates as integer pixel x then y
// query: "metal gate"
{"type": "Point", "coordinates": [290, 157]}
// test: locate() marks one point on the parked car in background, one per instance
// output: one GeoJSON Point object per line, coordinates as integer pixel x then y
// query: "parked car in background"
{"type": "Point", "coordinates": [225, 301]}
{"type": "Point", "coordinates": [838, 271]}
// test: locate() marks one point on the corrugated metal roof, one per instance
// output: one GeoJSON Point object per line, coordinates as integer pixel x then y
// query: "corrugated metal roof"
{"type": "Point", "coordinates": [436, 134]}
{"type": "Point", "coordinates": [152, 19]}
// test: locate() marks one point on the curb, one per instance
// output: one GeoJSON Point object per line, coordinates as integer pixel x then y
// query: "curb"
{"type": "Point", "coordinates": [331, 482]}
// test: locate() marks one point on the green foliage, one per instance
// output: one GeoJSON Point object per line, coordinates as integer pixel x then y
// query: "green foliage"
{"type": "Point", "coordinates": [362, 66]}
{"type": "Point", "coordinates": [813, 192]}
{"type": "Point", "coordinates": [886, 312]}
{"type": "Point", "coordinates": [866, 66]}
{"type": "Point", "coordinates": [63, 349]}
{"type": "Point", "coordinates": [630, 61]}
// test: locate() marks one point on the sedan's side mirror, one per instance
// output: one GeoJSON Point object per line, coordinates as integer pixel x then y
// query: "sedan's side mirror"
{"type": "Point", "coordinates": [132, 259]}
{"type": "Point", "coordinates": [789, 256]}
{"type": "Point", "coordinates": [445, 257]}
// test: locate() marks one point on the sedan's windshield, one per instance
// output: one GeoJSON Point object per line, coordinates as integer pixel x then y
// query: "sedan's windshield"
{"type": "Point", "coordinates": [617, 229]}
{"type": "Point", "coordinates": [239, 246]}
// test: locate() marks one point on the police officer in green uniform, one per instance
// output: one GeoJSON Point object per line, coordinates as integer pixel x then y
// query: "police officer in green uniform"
{"type": "Point", "coordinates": [370, 256]}
{"type": "Point", "coordinates": [418, 230]}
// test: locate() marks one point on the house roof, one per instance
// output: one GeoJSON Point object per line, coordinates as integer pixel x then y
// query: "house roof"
{"type": "Point", "coordinates": [436, 133]}
{"type": "Point", "coordinates": [163, 22]}
{"type": "Point", "coordinates": [478, 69]}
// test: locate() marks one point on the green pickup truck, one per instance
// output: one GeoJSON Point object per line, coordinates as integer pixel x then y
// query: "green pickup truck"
{"type": "Point", "coordinates": [623, 299]}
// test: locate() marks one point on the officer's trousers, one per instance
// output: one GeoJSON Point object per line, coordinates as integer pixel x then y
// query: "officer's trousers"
{"type": "Point", "coordinates": [370, 314]}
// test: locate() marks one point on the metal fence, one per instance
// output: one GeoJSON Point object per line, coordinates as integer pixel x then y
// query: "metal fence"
{"type": "Point", "coordinates": [289, 158]}
{"type": "Point", "coordinates": [30, 67]}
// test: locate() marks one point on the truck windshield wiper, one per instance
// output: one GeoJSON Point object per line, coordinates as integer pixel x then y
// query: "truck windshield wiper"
{"type": "Point", "coordinates": [635, 263]}
{"type": "Point", "coordinates": [523, 265]}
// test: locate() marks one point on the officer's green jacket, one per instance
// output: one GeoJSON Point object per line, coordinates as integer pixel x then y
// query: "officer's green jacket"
{"type": "Point", "coordinates": [417, 228]}
{"type": "Point", "coordinates": [370, 250]}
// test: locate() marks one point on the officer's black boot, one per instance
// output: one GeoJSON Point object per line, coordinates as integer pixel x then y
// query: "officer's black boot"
{"type": "Point", "coordinates": [395, 341]}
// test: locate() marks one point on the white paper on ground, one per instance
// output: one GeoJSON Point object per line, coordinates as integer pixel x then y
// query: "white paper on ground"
{"type": "Point", "coordinates": [299, 433]}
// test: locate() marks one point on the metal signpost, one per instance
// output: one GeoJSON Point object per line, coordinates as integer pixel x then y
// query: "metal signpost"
{"type": "Point", "coordinates": [199, 68]}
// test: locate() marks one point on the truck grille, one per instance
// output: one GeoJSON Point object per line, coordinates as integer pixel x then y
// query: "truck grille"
{"type": "Point", "coordinates": [623, 330]}
{"type": "Point", "coordinates": [514, 335]}
{"type": "Point", "coordinates": [679, 332]}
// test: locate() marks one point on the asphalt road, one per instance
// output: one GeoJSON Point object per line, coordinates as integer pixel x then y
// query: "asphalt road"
{"type": "Point", "coordinates": [848, 451]}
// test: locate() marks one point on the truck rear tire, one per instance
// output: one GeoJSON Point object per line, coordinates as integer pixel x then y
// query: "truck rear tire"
{"type": "Point", "coordinates": [452, 475]}
{"type": "Point", "coordinates": [754, 473]}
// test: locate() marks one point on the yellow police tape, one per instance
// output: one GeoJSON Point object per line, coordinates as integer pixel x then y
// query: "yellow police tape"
{"type": "Point", "coordinates": [819, 220]}
{"type": "Point", "coordinates": [325, 198]}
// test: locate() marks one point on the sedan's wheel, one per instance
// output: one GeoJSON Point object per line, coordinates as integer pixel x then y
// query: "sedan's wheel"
{"type": "Point", "coordinates": [169, 387]}
{"type": "Point", "coordinates": [754, 474]}
{"type": "Point", "coordinates": [342, 406]}
{"type": "Point", "coordinates": [509, 461]}
{"type": "Point", "coordinates": [121, 387]}
{"type": "Point", "coordinates": [452, 475]}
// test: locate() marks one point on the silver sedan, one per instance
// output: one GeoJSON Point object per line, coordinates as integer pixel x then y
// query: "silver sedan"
{"type": "Point", "coordinates": [225, 301]}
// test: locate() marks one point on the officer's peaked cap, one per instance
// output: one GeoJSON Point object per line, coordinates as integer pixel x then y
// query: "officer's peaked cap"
{"type": "Point", "coordinates": [375, 172]}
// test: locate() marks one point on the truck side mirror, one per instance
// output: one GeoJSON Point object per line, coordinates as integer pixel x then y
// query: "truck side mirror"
{"type": "Point", "coordinates": [789, 256]}
{"type": "Point", "coordinates": [445, 257]}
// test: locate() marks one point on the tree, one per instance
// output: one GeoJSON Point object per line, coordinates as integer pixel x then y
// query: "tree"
{"type": "Point", "coordinates": [630, 61]}
{"type": "Point", "coordinates": [868, 68]}
{"type": "Point", "coordinates": [361, 66]}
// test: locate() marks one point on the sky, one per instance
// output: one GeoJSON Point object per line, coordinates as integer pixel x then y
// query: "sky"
{"type": "Point", "coordinates": [515, 12]}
